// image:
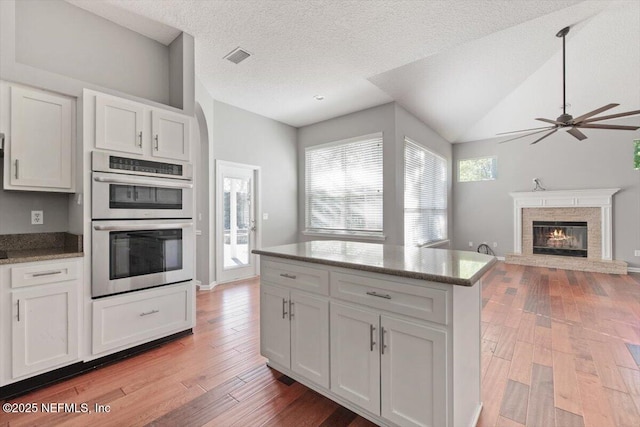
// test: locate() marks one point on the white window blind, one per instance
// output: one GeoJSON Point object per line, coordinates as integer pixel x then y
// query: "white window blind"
{"type": "Point", "coordinates": [425, 195]}
{"type": "Point", "coordinates": [343, 183]}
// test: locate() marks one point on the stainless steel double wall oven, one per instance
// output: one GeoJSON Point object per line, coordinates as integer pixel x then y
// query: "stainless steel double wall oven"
{"type": "Point", "coordinates": [142, 223]}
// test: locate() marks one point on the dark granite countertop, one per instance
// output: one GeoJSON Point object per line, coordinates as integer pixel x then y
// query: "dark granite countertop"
{"type": "Point", "coordinates": [19, 248]}
{"type": "Point", "coordinates": [436, 265]}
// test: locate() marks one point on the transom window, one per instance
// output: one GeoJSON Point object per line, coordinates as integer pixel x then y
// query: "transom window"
{"type": "Point", "coordinates": [478, 169]}
{"type": "Point", "coordinates": [343, 183]}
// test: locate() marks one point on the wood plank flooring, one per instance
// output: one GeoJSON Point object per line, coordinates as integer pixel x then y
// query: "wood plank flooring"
{"type": "Point", "coordinates": [559, 349]}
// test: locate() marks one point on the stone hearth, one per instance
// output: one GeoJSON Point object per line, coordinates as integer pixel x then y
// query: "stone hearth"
{"type": "Point", "coordinates": [591, 206]}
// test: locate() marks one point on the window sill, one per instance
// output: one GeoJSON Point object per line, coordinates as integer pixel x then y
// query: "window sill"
{"type": "Point", "coordinates": [435, 244]}
{"type": "Point", "coordinates": [338, 235]}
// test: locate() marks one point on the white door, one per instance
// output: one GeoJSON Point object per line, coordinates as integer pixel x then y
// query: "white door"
{"type": "Point", "coordinates": [310, 337]}
{"type": "Point", "coordinates": [119, 125]}
{"type": "Point", "coordinates": [413, 367]}
{"type": "Point", "coordinates": [41, 133]}
{"type": "Point", "coordinates": [170, 133]}
{"type": "Point", "coordinates": [275, 326]}
{"type": "Point", "coordinates": [45, 328]}
{"type": "Point", "coordinates": [355, 356]}
{"type": "Point", "coordinates": [237, 230]}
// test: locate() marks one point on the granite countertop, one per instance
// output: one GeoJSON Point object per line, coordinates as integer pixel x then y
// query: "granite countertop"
{"type": "Point", "coordinates": [18, 248]}
{"type": "Point", "coordinates": [437, 265]}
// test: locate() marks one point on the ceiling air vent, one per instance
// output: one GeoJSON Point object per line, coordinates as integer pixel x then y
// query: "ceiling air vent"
{"type": "Point", "coordinates": [237, 55]}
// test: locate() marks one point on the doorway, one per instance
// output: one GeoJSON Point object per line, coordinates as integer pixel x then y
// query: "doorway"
{"type": "Point", "coordinates": [237, 228]}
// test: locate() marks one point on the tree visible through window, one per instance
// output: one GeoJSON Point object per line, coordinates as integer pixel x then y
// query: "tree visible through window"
{"type": "Point", "coordinates": [343, 183]}
{"type": "Point", "coordinates": [479, 169]}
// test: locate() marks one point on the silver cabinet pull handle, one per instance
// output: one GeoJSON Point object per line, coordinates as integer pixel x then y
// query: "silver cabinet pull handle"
{"type": "Point", "coordinates": [372, 329]}
{"type": "Point", "coordinates": [17, 164]}
{"type": "Point", "coordinates": [375, 294]}
{"type": "Point", "coordinates": [149, 312]}
{"type": "Point", "coordinates": [140, 139]}
{"type": "Point", "coordinates": [284, 309]}
{"type": "Point", "coordinates": [288, 276]}
{"type": "Point", "coordinates": [156, 139]}
{"type": "Point", "coordinates": [382, 344]}
{"type": "Point", "coordinates": [291, 303]}
{"type": "Point", "coordinates": [48, 273]}
{"type": "Point", "coordinates": [18, 310]}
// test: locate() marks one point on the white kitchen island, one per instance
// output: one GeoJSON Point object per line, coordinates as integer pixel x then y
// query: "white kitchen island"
{"type": "Point", "coordinates": [390, 332]}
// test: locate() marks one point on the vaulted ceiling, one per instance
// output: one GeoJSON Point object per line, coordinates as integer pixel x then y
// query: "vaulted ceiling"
{"type": "Point", "coordinates": [468, 69]}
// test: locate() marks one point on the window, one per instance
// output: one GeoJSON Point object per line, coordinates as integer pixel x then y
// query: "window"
{"type": "Point", "coordinates": [479, 169]}
{"type": "Point", "coordinates": [425, 195]}
{"type": "Point", "coordinates": [343, 184]}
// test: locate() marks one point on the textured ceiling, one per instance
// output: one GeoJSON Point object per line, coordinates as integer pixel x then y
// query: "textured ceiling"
{"type": "Point", "coordinates": [451, 63]}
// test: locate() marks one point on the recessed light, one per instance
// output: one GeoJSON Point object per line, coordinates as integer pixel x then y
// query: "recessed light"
{"type": "Point", "coordinates": [319, 97]}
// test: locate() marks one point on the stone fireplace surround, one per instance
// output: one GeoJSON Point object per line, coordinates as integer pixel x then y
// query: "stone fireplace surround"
{"type": "Point", "coordinates": [591, 206]}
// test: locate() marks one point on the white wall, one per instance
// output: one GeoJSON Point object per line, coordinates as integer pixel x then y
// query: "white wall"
{"type": "Point", "coordinates": [483, 211]}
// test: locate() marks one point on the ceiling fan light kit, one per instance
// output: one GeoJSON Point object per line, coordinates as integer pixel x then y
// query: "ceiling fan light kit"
{"type": "Point", "coordinates": [565, 120]}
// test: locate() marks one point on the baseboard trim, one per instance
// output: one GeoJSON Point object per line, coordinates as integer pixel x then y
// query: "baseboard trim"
{"type": "Point", "coordinates": [208, 287]}
{"type": "Point", "coordinates": [633, 269]}
{"type": "Point", "coordinates": [500, 258]}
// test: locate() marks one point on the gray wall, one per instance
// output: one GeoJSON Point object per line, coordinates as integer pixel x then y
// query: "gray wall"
{"type": "Point", "coordinates": [56, 36]}
{"type": "Point", "coordinates": [16, 207]}
{"type": "Point", "coordinates": [395, 123]}
{"type": "Point", "coordinates": [483, 211]}
{"type": "Point", "coordinates": [244, 137]}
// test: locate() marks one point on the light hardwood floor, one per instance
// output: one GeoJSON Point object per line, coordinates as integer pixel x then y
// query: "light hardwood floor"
{"type": "Point", "coordinates": [560, 348]}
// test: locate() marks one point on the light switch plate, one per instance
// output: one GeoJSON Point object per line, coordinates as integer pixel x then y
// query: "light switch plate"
{"type": "Point", "coordinates": [637, 252]}
{"type": "Point", "coordinates": [37, 218]}
{"type": "Point", "coordinates": [265, 216]}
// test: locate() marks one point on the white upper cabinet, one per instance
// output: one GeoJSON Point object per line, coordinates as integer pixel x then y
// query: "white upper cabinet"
{"type": "Point", "coordinates": [119, 125]}
{"type": "Point", "coordinates": [130, 127]}
{"type": "Point", "coordinates": [39, 132]}
{"type": "Point", "coordinates": [170, 135]}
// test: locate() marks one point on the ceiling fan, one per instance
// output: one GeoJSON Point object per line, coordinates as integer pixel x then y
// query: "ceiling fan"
{"type": "Point", "coordinates": [565, 120]}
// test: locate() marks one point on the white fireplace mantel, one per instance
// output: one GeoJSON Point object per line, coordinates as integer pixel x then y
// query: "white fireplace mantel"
{"type": "Point", "coordinates": [596, 198]}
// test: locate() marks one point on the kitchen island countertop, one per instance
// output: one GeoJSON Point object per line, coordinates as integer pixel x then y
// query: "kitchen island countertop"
{"type": "Point", "coordinates": [437, 265]}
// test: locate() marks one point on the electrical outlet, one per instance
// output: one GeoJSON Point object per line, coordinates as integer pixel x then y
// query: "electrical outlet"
{"type": "Point", "coordinates": [37, 218]}
{"type": "Point", "coordinates": [637, 252]}
{"type": "Point", "coordinates": [495, 244]}
{"type": "Point", "coordinates": [470, 244]}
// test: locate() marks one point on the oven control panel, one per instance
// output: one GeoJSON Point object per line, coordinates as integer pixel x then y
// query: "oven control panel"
{"type": "Point", "coordinates": [148, 166]}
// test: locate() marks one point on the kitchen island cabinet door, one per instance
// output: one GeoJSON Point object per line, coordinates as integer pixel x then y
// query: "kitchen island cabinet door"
{"type": "Point", "coordinates": [355, 357]}
{"type": "Point", "coordinates": [310, 337]}
{"type": "Point", "coordinates": [413, 373]}
{"type": "Point", "coordinates": [44, 327]}
{"type": "Point", "coordinates": [275, 328]}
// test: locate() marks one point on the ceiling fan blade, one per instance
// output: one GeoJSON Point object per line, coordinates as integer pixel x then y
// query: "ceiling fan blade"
{"type": "Point", "coordinates": [522, 136]}
{"type": "Point", "coordinates": [612, 116]}
{"type": "Point", "coordinates": [597, 126]}
{"type": "Point", "coordinates": [524, 130]}
{"type": "Point", "coordinates": [544, 136]}
{"type": "Point", "coordinates": [594, 112]}
{"type": "Point", "coordinates": [549, 121]}
{"type": "Point", "coordinates": [577, 134]}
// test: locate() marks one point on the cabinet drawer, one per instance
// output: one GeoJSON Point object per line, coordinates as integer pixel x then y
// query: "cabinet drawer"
{"type": "Point", "coordinates": [42, 273]}
{"type": "Point", "coordinates": [140, 317]}
{"type": "Point", "coordinates": [415, 301]}
{"type": "Point", "coordinates": [296, 276]}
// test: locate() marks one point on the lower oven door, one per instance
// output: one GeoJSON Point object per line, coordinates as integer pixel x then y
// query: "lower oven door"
{"type": "Point", "coordinates": [132, 255]}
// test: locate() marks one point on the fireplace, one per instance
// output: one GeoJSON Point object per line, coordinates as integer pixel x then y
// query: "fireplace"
{"type": "Point", "coordinates": [564, 238]}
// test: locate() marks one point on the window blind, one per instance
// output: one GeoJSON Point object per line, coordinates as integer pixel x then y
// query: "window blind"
{"type": "Point", "coordinates": [425, 195]}
{"type": "Point", "coordinates": [343, 183]}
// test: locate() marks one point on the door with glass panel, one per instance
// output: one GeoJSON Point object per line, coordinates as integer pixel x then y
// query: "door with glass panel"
{"type": "Point", "coordinates": [237, 230]}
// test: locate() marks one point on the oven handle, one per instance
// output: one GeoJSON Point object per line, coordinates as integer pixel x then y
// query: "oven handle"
{"type": "Point", "coordinates": [142, 181]}
{"type": "Point", "coordinates": [142, 226]}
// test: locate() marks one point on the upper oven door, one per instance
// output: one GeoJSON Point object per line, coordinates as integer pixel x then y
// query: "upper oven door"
{"type": "Point", "coordinates": [117, 196]}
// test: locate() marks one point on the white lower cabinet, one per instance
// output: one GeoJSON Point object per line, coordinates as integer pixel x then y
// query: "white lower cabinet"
{"type": "Point", "coordinates": [39, 317]}
{"type": "Point", "coordinates": [400, 351]}
{"type": "Point", "coordinates": [294, 331]}
{"type": "Point", "coordinates": [45, 327]}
